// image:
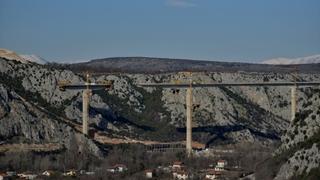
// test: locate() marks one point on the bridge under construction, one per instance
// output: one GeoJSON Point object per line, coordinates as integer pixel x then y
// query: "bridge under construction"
{"type": "Point", "coordinates": [189, 97]}
{"type": "Point", "coordinates": [87, 88]}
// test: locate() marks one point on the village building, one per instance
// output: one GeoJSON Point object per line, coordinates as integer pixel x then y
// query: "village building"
{"type": "Point", "coordinates": [84, 172]}
{"type": "Point", "coordinates": [180, 175]}
{"type": "Point", "coordinates": [149, 173]}
{"type": "Point", "coordinates": [71, 173]}
{"type": "Point", "coordinates": [212, 174]}
{"type": "Point", "coordinates": [90, 173]}
{"type": "Point", "coordinates": [47, 173]}
{"type": "Point", "coordinates": [177, 165]}
{"type": "Point", "coordinates": [27, 175]}
{"type": "Point", "coordinates": [217, 168]}
{"type": "Point", "coordinates": [118, 168]}
{"type": "Point", "coordinates": [3, 176]}
{"type": "Point", "coordinates": [221, 164]}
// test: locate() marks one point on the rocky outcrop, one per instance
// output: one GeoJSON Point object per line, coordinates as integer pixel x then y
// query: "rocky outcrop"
{"type": "Point", "coordinates": [5, 53]}
{"type": "Point", "coordinates": [25, 122]}
{"type": "Point", "coordinates": [34, 110]}
{"type": "Point", "coordinates": [301, 142]}
{"type": "Point", "coordinates": [303, 161]}
{"type": "Point", "coordinates": [237, 114]}
{"type": "Point", "coordinates": [307, 121]}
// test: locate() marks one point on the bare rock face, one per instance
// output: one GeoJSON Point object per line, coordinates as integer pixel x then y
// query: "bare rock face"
{"type": "Point", "coordinates": [239, 114]}
{"type": "Point", "coordinates": [301, 162]}
{"type": "Point", "coordinates": [4, 108]}
{"type": "Point", "coordinates": [41, 79]}
{"type": "Point", "coordinates": [126, 91]}
{"type": "Point", "coordinates": [301, 141]}
{"type": "Point", "coordinates": [265, 110]}
{"type": "Point", "coordinates": [23, 119]}
{"type": "Point", "coordinates": [34, 109]}
{"type": "Point", "coordinates": [45, 82]}
{"type": "Point", "coordinates": [307, 121]}
{"type": "Point", "coordinates": [5, 53]}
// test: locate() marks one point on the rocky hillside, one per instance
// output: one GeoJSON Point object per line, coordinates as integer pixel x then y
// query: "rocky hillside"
{"type": "Point", "coordinates": [22, 121]}
{"type": "Point", "coordinates": [222, 115]}
{"type": "Point", "coordinates": [34, 58]}
{"type": "Point", "coordinates": [7, 54]}
{"type": "Point", "coordinates": [300, 151]}
{"type": "Point", "coordinates": [34, 110]}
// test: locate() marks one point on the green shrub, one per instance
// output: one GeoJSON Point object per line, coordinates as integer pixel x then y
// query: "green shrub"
{"type": "Point", "coordinates": [15, 84]}
{"type": "Point", "coordinates": [148, 123]}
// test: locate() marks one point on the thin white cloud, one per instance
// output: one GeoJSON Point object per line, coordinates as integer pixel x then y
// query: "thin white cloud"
{"type": "Point", "coordinates": [180, 3]}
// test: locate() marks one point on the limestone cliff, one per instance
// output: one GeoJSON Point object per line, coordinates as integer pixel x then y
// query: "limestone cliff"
{"type": "Point", "coordinates": [300, 149]}
{"type": "Point", "coordinates": [229, 114]}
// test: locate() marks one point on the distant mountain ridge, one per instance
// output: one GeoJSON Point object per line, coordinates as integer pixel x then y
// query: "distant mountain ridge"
{"type": "Point", "coordinates": [11, 55]}
{"type": "Point", "coordinates": [302, 60]}
{"type": "Point", "coordinates": [164, 65]}
{"type": "Point", "coordinates": [34, 58]}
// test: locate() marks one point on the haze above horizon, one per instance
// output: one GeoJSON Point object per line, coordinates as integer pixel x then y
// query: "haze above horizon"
{"type": "Point", "coordinates": [229, 30]}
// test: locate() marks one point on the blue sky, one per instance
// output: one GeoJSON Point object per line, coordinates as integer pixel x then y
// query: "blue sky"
{"type": "Point", "coordinates": [230, 30]}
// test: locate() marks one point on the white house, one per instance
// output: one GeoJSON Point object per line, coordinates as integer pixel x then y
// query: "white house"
{"type": "Point", "coordinates": [181, 175]}
{"type": "Point", "coordinates": [218, 169]}
{"type": "Point", "coordinates": [27, 175]}
{"type": "Point", "coordinates": [47, 173]}
{"type": "Point", "coordinates": [221, 163]}
{"type": "Point", "coordinates": [90, 173]}
{"type": "Point", "coordinates": [71, 173]}
{"type": "Point", "coordinates": [212, 174]}
{"type": "Point", "coordinates": [149, 173]}
{"type": "Point", "coordinates": [3, 176]}
{"type": "Point", "coordinates": [177, 165]}
{"type": "Point", "coordinates": [117, 168]}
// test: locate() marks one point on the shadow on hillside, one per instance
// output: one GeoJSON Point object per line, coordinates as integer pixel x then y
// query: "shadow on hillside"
{"type": "Point", "coordinates": [109, 117]}
{"type": "Point", "coordinates": [218, 133]}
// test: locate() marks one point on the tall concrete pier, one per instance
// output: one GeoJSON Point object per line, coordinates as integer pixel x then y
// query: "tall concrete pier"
{"type": "Point", "coordinates": [87, 88]}
{"type": "Point", "coordinates": [85, 110]}
{"type": "Point", "coordinates": [189, 121]}
{"type": "Point", "coordinates": [191, 85]}
{"type": "Point", "coordinates": [293, 102]}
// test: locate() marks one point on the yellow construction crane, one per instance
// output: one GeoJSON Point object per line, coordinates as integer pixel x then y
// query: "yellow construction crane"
{"type": "Point", "coordinates": [87, 88]}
